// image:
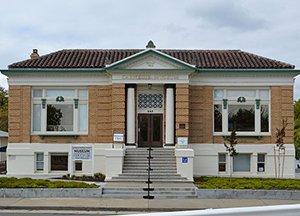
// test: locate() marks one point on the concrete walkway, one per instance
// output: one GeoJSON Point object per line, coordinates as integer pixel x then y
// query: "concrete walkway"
{"type": "Point", "coordinates": [103, 204]}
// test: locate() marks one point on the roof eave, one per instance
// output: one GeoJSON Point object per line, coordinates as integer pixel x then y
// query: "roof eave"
{"type": "Point", "coordinates": [51, 70]}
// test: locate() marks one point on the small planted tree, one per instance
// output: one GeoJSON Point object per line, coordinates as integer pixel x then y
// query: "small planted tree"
{"type": "Point", "coordinates": [230, 145]}
{"type": "Point", "coordinates": [279, 150]}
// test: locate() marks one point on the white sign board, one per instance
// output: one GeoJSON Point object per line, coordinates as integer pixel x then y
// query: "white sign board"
{"type": "Point", "coordinates": [118, 137]}
{"type": "Point", "coordinates": [182, 141]}
{"type": "Point", "coordinates": [82, 152]}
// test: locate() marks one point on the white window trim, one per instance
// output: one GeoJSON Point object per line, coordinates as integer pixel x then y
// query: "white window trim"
{"type": "Point", "coordinates": [251, 101]}
{"type": "Point", "coordinates": [226, 159]}
{"type": "Point", "coordinates": [265, 162]}
{"type": "Point", "coordinates": [37, 100]}
{"type": "Point", "coordinates": [36, 161]}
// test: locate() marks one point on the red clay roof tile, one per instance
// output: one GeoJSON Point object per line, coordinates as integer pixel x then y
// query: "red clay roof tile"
{"type": "Point", "coordinates": [205, 59]}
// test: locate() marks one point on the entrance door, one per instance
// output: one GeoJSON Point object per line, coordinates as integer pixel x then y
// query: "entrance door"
{"type": "Point", "coordinates": [150, 130]}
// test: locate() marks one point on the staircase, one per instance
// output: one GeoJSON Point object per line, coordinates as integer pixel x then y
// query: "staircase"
{"type": "Point", "coordinates": [166, 182]}
{"type": "Point", "coordinates": [163, 165]}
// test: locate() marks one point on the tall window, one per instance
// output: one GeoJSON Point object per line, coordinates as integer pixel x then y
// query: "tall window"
{"type": "Point", "coordinates": [59, 111]}
{"type": "Point", "coordinates": [222, 162]}
{"type": "Point", "coordinates": [261, 162]}
{"type": "Point", "coordinates": [243, 110]}
{"type": "Point", "coordinates": [39, 161]}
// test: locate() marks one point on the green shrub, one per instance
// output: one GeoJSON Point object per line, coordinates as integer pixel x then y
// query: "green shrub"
{"type": "Point", "coordinates": [247, 183]}
{"type": "Point", "coordinates": [40, 183]}
{"type": "Point", "coordinates": [99, 176]}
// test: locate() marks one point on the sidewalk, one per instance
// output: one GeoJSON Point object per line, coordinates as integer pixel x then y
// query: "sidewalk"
{"type": "Point", "coordinates": [90, 204]}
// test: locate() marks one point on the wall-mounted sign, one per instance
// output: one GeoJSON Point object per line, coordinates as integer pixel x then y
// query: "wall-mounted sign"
{"type": "Point", "coordinates": [184, 160]}
{"type": "Point", "coordinates": [182, 141]}
{"type": "Point", "coordinates": [82, 152]}
{"type": "Point", "coordinates": [118, 137]}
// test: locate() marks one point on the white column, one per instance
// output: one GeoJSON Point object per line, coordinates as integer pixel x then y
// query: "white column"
{"type": "Point", "coordinates": [130, 127]}
{"type": "Point", "coordinates": [169, 116]}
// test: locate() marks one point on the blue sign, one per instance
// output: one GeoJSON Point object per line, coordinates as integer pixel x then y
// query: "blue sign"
{"type": "Point", "coordinates": [184, 160]}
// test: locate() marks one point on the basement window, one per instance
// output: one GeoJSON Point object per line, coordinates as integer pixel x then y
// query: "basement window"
{"type": "Point", "coordinates": [222, 162]}
{"type": "Point", "coordinates": [261, 162]}
{"type": "Point", "coordinates": [39, 161]}
{"type": "Point", "coordinates": [59, 162]}
{"type": "Point", "coordinates": [78, 165]}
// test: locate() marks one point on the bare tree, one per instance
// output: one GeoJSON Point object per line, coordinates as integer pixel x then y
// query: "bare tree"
{"type": "Point", "coordinates": [231, 148]}
{"type": "Point", "coordinates": [279, 150]}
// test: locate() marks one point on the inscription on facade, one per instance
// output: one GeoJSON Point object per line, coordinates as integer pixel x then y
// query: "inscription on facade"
{"type": "Point", "coordinates": [149, 77]}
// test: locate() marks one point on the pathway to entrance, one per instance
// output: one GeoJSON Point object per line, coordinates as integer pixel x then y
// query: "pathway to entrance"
{"type": "Point", "coordinates": [166, 182]}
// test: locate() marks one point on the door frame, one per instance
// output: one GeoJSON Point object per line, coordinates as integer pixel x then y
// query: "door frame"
{"type": "Point", "coordinates": [150, 130]}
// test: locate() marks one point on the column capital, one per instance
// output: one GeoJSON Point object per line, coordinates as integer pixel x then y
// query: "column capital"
{"type": "Point", "coordinates": [169, 85]}
{"type": "Point", "coordinates": [130, 85]}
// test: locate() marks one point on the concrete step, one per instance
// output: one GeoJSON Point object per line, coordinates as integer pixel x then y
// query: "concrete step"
{"type": "Point", "coordinates": [144, 178]}
{"type": "Point", "coordinates": [146, 162]}
{"type": "Point", "coordinates": [153, 156]}
{"type": "Point", "coordinates": [120, 180]}
{"type": "Point", "coordinates": [153, 170]}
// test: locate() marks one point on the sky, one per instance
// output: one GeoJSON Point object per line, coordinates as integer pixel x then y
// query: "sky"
{"type": "Point", "coordinates": [270, 28]}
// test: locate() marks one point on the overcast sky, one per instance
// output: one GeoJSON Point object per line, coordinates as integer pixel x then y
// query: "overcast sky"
{"type": "Point", "coordinates": [269, 28]}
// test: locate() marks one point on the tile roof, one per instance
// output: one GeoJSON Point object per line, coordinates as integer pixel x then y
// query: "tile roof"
{"type": "Point", "coordinates": [206, 59]}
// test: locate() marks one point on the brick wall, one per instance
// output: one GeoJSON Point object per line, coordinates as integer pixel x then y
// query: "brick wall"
{"type": "Point", "coordinates": [201, 100]}
{"type": "Point", "coordinates": [19, 114]}
{"type": "Point", "coordinates": [182, 110]}
{"type": "Point", "coordinates": [282, 108]}
{"type": "Point", "coordinates": [118, 108]}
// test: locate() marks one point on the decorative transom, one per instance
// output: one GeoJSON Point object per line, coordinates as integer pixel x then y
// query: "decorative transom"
{"type": "Point", "coordinates": [151, 101]}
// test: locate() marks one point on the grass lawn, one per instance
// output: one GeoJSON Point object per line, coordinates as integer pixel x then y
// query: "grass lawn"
{"type": "Point", "coordinates": [247, 183]}
{"type": "Point", "coordinates": [41, 183]}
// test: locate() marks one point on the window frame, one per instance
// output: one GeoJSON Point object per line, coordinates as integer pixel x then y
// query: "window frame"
{"type": "Point", "coordinates": [37, 161]}
{"type": "Point", "coordinates": [223, 162]}
{"type": "Point", "coordinates": [249, 101]}
{"type": "Point", "coordinates": [75, 167]}
{"type": "Point", "coordinates": [58, 154]}
{"type": "Point", "coordinates": [52, 100]}
{"type": "Point", "coordinates": [264, 162]}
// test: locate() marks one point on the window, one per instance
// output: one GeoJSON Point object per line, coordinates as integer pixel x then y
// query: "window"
{"type": "Point", "coordinates": [222, 162]}
{"type": "Point", "coordinates": [59, 111]}
{"type": "Point", "coordinates": [60, 117]}
{"type": "Point", "coordinates": [78, 165]}
{"type": "Point", "coordinates": [39, 161]}
{"type": "Point", "coordinates": [59, 162]}
{"type": "Point", "coordinates": [241, 163]}
{"type": "Point", "coordinates": [243, 110]}
{"type": "Point", "coordinates": [218, 117]}
{"type": "Point", "coordinates": [241, 117]}
{"type": "Point", "coordinates": [264, 118]}
{"type": "Point", "coordinates": [261, 162]}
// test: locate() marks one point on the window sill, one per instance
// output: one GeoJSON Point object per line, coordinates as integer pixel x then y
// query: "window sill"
{"type": "Point", "coordinates": [75, 136]}
{"type": "Point", "coordinates": [251, 136]}
{"type": "Point", "coordinates": [258, 137]}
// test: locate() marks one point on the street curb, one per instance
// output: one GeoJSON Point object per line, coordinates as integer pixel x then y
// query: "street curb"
{"type": "Point", "coordinates": [248, 194]}
{"type": "Point", "coordinates": [98, 193]}
{"type": "Point", "coordinates": [73, 208]}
